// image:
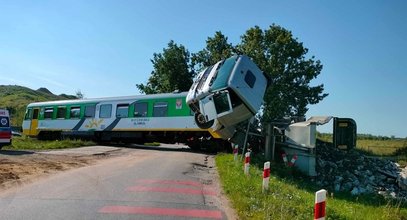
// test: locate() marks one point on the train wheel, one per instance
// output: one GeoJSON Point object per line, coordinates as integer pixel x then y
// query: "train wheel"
{"type": "Point", "coordinates": [201, 122]}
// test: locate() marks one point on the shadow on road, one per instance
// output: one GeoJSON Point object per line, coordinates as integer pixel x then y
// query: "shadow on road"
{"type": "Point", "coordinates": [162, 147]}
{"type": "Point", "coordinates": [15, 152]}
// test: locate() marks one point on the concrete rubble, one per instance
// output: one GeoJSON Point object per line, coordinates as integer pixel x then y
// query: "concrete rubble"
{"type": "Point", "coordinates": [356, 173]}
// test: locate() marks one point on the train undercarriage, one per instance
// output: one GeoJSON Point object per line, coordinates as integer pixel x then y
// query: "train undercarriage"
{"type": "Point", "coordinates": [196, 140]}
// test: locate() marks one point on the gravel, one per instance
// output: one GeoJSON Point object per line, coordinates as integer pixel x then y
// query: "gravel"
{"type": "Point", "coordinates": [352, 171]}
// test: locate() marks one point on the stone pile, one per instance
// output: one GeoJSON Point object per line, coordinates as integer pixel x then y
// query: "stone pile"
{"type": "Point", "coordinates": [356, 173]}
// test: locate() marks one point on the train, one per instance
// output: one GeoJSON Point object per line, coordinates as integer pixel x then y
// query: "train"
{"type": "Point", "coordinates": [222, 96]}
{"type": "Point", "coordinates": [164, 118]}
{"type": "Point", "coordinates": [226, 94]}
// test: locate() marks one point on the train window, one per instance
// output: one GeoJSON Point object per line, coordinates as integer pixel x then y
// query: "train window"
{"type": "Point", "coordinates": [122, 111]}
{"type": "Point", "coordinates": [61, 112]}
{"type": "Point", "coordinates": [250, 79]}
{"type": "Point", "coordinates": [35, 113]}
{"type": "Point", "coordinates": [48, 113]}
{"type": "Point", "coordinates": [105, 111]}
{"type": "Point", "coordinates": [90, 111]}
{"type": "Point", "coordinates": [75, 112]}
{"type": "Point", "coordinates": [140, 109]}
{"type": "Point", "coordinates": [28, 114]}
{"type": "Point", "coordinates": [160, 109]}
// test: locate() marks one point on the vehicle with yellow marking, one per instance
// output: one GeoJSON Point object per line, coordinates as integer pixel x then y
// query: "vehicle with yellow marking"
{"type": "Point", "coordinates": [158, 117]}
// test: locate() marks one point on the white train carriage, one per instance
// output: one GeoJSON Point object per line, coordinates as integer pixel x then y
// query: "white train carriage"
{"type": "Point", "coordinates": [165, 116]}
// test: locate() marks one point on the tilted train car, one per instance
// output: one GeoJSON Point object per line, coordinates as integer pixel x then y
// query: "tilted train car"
{"type": "Point", "coordinates": [159, 117]}
{"type": "Point", "coordinates": [226, 94]}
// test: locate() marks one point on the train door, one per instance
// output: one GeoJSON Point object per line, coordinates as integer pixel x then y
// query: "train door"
{"type": "Point", "coordinates": [345, 134]}
{"type": "Point", "coordinates": [34, 122]}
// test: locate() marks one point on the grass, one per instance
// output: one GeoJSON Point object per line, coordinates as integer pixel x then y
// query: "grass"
{"type": "Point", "coordinates": [153, 144]}
{"type": "Point", "coordinates": [382, 147]}
{"type": "Point", "coordinates": [26, 143]}
{"type": "Point", "coordinates": [291, 195]}
{"type": "Point", "coordinates": [374, 145]}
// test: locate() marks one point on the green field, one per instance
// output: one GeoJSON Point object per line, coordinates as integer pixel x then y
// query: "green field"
{"type": "Point", "coordinates": [382, 147]}
{"type": "Point", "coordinates": [375, 145]}
{"type": "Point", "coordinates": [291, 196]}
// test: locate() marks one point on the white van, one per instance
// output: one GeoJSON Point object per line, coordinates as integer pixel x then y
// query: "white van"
{"type": "Point", "coordinates": [5, 130]}
{"type": "Point", "coordinates": [227, 93]}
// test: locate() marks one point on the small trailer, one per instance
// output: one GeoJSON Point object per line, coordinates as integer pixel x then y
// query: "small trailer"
{"type": "Point", "coordinates": [227, 93]}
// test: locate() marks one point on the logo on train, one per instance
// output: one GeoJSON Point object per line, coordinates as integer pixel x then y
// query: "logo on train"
{"type": "Point", "coordinates": [94, 123]}
{"type": "Point", "coordinates": [178, 104]}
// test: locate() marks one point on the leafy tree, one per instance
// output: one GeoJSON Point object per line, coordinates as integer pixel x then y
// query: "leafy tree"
{"type": "Point", "coordinates": [282, 58]}
{"type": "Point", "coordinates": [79, 94]}
{"type": "Point", "coordinates": [217, 48]}
{"type": "Point", "coordinates": [171, 72]}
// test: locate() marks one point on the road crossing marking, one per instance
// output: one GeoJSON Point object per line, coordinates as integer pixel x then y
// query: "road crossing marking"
{"type": "Point", "coordinates": [166, 186]}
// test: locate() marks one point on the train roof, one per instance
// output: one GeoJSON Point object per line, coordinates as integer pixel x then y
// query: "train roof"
{"type": "Point", "coordinates": [110, 99]}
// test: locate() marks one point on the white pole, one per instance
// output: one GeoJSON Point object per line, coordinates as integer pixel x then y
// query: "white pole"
{"type": "Point", "coordinates": [320, 205]}
{"type": "Point", "coordinates": [247, 163]}
{"type": "Point", "coordinates": [266, 176]}
{"type": "Point", "coordinates": [235, 151]}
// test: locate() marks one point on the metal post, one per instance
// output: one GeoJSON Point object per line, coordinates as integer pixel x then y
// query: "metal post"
{"type": "Point", "coordinates": [245, 138]}
{"type": "Point", "coordinates": [273, 140]}
{"type": "Point", "coordinates": [268, 143]}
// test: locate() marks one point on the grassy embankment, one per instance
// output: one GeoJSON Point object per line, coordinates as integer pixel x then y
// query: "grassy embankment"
{"type": "Point", "coordinates": [26, 143]}
{"type": "Point", "coordinates": [291, 196]}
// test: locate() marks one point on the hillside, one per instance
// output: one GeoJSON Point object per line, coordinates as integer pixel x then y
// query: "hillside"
{"type": "Point", "coordinates": [16, 98]}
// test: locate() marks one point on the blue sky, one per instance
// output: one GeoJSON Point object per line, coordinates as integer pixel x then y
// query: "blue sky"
{"type": "Point", "coordinates": [103, 48]}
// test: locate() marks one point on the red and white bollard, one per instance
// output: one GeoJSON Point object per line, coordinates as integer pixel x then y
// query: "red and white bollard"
{"type": "Point", "coordinates": [266, 176]}
{"type": "Point", "coordinates": [292, 162]}
{"type": "Point", "coordinates": [284, 156]}
{"type": "Point", "coordinates": [235, 151]}
{"type": "Point", "coordinates": [247, 163]}
{"type": "Point", "coordinates": [320, 205]}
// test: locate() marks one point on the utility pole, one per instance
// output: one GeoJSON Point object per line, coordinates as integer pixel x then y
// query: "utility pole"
{"type": "Point", "coordinates": [267, 148]}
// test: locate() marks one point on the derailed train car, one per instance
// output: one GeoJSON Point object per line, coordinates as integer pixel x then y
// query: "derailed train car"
{"type": "Point", "coordinates": [227, 93]}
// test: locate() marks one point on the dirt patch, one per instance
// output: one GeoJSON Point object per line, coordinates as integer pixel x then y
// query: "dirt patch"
{"type": "Point", "coordinates": [17, 169]}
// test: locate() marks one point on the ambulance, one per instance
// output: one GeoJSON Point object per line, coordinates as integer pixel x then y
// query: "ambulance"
{"type": "Point", "coordinates": [5, 130]}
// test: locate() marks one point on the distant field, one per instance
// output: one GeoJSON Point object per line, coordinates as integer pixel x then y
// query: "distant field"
{"type": "Point", "coordinates": [382, 147]}
{"type": "Point", "coordinates": [376, 145]}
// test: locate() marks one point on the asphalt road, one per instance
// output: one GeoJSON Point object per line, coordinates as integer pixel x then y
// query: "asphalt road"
{"type": "Point", "coordinates": [138, 184]}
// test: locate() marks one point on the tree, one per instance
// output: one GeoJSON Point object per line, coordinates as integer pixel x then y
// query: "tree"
{"type": "Point", "coordinates": [217, 48]}
{"type": "Point", "coordinates": [79, 94]}
{"type": "Point", "coordinates": [282, 58]}
{"type": "Point", "coordinates": [172, 71]}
